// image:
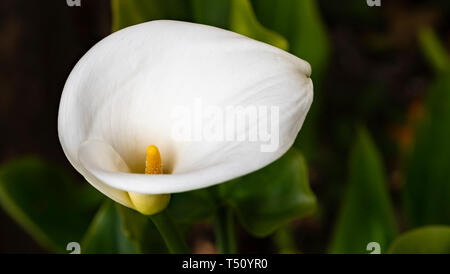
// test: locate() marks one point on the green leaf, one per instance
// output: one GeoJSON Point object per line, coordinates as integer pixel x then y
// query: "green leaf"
{"type": "Point", "coordinates": [244, 21]}
{"type": "Point", "coordinates": [130, 12]}
{"type": "Point", "coordinates": [432, 48]}
{"type": "Point", "coordinates": [366, 214]}
{"type": "Point", "coordinates": [214, 13]}
{"type": "Point", "coordinates": [271, 197]}
{"type": "Point", "coordinates": [427, 188]}
{"type": "Point", "coordinates": [47, 202]}
{"type": "Point", "coordinates": [300, 22]}
{"type": "Point", "coordinates": [424, 240]}
{"type": "Point", "coordinates": [105, 234]}
{"type": "Point", "coordinates": [191, 206]}
{"type": "Point", "coordinates": [141, 231]}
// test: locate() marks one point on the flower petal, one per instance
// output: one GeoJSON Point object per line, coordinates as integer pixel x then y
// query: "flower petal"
{"type": "Point", "coordinates": [122, 95]}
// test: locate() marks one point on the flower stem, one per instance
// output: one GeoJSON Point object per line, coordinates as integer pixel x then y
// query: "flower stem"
{"type": "Point", "coordinates": [169, 232]}
{"type": "Point", "coordinates": [225, 230]}
{"type": "Point", "coordinates": [285, 241]}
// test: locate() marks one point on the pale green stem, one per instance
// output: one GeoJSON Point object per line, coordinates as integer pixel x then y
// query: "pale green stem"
{"type": "Point", "coordinates": [225, 230]}
{"type": "Point", "coordinates": [169, 232]}
{"type": "Point", "coordinates": [285, 241]}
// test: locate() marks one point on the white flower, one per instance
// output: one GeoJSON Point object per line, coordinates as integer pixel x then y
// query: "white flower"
{"type": "Point", "coordinates": [120, 97]}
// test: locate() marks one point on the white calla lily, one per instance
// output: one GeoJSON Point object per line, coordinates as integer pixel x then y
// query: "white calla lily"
{"type": "Point", "coordinates": [120, 98]}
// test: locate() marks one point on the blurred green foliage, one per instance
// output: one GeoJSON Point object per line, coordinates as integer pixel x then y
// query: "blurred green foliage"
{"type": "Point", "coordinates": [131, 12]}
{"type": "Point", "coordinates": [243, 21]}
{"type": "Point", "coordinates": [300, 22]}
{"type": "Point", "coordinates": [366, 214]}
{"type": "Point", "coordinates": [424, 240]}
{"type": "Point", "coordinates": [236, 15]}
{"type": "Point", "coordinates": [427, 188]}
{"type": "Point", "coordinates": [141, 231]}
{"type": "Point", "coordinates": [105, 234]}
{"type": "Point", "coordinates": [47, 202]}
{"type": "Point", "coordinates": [433, 49]}
{"type": "Point", "coordinates": [184, 208]}
{"type": "Point", "coordinates": [284, 238]}
{"type": "Point", "coordinates": [352, 12]}
{"type": "Point", "coordinates": [192, 206]}
{"type": "Point", "coordinates": [213, 13]}
{"type": "Point", "coordinates": [267, 199]}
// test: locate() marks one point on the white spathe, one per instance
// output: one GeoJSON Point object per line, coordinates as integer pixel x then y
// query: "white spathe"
{"type": "Point", "coordinates": [119, 99]}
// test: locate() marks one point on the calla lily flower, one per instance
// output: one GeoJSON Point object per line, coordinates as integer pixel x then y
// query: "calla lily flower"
{"type": "Point", "coordinates": [120, 98]}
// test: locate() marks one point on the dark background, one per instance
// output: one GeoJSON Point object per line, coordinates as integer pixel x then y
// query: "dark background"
{"type": "Point", "coordinates": [376, 74]}
{"type": "Point", "coordinates": [41, 41]}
